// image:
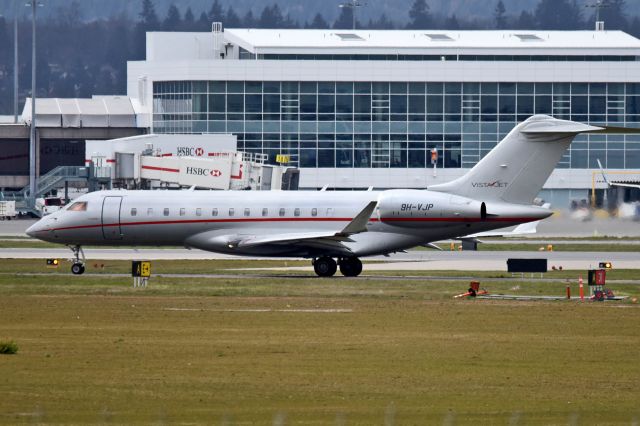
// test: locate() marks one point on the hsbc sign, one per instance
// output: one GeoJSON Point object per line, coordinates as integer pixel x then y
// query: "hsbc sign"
{"type": "Point", "coordinates": [204, 172]}
{"type": "Point", "coordinates": [201, 171]}
{"type": "Point", "coordinates": [189, 151]}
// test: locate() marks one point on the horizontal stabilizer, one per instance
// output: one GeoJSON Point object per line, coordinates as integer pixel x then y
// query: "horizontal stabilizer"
{"type": "Point", "coordinates": [570, 127]}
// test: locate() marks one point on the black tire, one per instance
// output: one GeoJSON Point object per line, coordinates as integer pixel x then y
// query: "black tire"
{"type": "Point", "coordinates": [350, 266]}
{"type": "Point", "coordinates": [472, 292]}
{"type": "Point", "coordinates": [325, 267]}
{"type": "Point", "coordinates": [77, 269]}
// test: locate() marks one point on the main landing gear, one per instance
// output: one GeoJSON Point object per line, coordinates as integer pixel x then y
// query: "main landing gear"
{"type": "Point", "coordinates": [326, 266]}
{"type": "Point", "coordinates": [77, 267]}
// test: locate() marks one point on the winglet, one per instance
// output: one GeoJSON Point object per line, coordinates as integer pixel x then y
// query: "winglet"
{"type": "Point", "coordinates": [432, 246]}
{"type": "Point", "coordinates": [602, 171]}
{"type": "Point", "coordinates": [359, 223]}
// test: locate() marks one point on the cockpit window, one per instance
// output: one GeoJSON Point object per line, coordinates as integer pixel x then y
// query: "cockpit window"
{"type": "Point", "coordinates": [80, 206]}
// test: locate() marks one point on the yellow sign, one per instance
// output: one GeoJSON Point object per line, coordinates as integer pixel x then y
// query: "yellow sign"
{"type": "Point", "coordinates": [280, 158]}
{"type": "Point", "coordinates": [141, 268]}
{"type": "Point", "coordinates": [145, 269]}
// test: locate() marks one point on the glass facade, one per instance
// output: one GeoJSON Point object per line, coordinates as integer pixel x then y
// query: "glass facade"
{"type": "Point", "coordinates": [396, 124]}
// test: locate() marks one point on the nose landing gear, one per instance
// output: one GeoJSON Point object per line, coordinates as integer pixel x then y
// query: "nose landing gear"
{"type": "Point", "coordinates": [77, 268]}
{"type": "Point", "coordinates": [326, 266]}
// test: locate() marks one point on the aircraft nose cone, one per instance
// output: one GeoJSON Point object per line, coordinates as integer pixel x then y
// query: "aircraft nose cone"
{"type": "Point", "coordinates": [32, 230]}
{"type": "Point", "coordinates": [36, 229]}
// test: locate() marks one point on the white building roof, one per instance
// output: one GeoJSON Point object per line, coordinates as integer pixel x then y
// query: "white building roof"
{"type": "Point", "coordinates": [99, 111]}
{"type": "Point", "coordinates": [397, 41]}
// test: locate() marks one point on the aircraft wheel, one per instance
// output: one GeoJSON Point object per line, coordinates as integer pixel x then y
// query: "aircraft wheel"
{"type": "Point", "coordinates": [325, 266]}
{"type": "Point", "coordinates": [77, 268]}
{"type": "Point", "coordinates": [350, 266]}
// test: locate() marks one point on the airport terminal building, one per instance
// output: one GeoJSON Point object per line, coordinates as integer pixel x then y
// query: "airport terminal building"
{"type": "Point", "coordinates": [364, 108]}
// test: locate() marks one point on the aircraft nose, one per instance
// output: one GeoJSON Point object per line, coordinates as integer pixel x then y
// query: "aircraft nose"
{"type": "Point", "coordinates": [31, 231]}
{"type": "Point", "coordinates": [34, 229]}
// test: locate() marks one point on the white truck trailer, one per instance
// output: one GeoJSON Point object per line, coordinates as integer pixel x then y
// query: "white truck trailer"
{"type": "Point", "coordinates": [7, 210]}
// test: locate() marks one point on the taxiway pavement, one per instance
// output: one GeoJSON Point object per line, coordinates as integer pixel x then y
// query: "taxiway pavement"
{"type": "Point", "coordinates": [411, 260]}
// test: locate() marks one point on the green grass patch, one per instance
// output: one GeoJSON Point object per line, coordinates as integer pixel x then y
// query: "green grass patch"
{"type": "Point", "coordinates": [308, 350]}
{"type": "Point", "coordinates": [8, 347]}
{"type": "Point", "coordinates": [145, 358]}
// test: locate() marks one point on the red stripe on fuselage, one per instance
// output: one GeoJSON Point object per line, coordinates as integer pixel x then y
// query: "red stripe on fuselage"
{"type": "Point", "coordinates": [301, 219]}
{"type": "Point", "coordinates": [456, 219]}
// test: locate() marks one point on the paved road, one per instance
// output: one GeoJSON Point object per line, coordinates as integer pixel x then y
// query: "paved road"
{"type": "Point", "coordinates": [412, 260]}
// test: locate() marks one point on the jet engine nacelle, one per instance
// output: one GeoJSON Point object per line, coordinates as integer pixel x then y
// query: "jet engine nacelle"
{"type": "Point", "coordinates": [419, 208]}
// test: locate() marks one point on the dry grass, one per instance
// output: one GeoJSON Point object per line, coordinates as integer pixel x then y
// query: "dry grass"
{"type": "Point", "coordinates": [307, 350]}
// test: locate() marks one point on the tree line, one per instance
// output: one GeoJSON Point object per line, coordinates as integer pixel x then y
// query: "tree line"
{"type": "Point", "coordinates": [79, 58]}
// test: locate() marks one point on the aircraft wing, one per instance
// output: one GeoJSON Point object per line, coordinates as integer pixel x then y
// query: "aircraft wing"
{"type": "Point", "coordinates": [522, 229]}
{"type": "Point", "coordinates": [290, 238]}
{"type": "Point", "coordinates": [610, 184]}
{"type": "Point", "coordinates": [334, 239]}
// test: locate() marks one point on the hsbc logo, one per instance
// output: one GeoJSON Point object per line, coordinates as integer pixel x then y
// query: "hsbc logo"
{"type": "Point", "coordinates": [201, 171]}
{"type": "Point", "coordinates": [189, 151]}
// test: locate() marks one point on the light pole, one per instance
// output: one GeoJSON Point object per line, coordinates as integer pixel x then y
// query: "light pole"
{"type": "Point", "coordinates": [352, 4]}
{"type": "Point", "coordinates": [15, 62]}
{"type": "Point", "coordinates": [32, 137]}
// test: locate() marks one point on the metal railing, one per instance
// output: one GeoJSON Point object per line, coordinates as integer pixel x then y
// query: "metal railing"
{"type": "Point", "coordinates": [51, 180]}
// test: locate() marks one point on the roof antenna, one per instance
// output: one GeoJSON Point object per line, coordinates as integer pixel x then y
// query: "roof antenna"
{"type": "Point", "coordinates": [599, 4]}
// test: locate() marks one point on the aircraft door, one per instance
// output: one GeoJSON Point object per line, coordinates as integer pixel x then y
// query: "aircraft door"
{"type": "Point", "coordinates": [111, 218]}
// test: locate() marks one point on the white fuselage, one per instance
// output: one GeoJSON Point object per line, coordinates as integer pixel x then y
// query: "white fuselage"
{"type": "Point", "coordinates": [215, 220]}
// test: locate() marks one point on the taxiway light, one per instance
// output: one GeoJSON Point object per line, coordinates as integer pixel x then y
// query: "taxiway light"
{"type": "Point", "coordinates": [605, 265]}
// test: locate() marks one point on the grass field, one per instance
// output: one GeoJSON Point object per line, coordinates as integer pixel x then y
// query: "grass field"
{"type": "Point", "coordinates": [300, 350]}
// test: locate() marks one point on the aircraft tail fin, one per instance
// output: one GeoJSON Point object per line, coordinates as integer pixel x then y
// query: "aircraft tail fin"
{"type": "Point", "coordinates": [517, 168]}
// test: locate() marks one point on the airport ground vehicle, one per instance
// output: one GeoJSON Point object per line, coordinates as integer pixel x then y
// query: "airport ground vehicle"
{"type": "Point", "coordinates": [7, 210]}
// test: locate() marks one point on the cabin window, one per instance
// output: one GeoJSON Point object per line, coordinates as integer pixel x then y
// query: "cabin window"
{"type": "Point", "coordinates": [166, 212]}
{"type": "Point", "coordinates": [247, 212]}
{"type": "Point", "coordinates": [281, 212]}
{"type": "Point", "coordinates": [296, 212]}
{"type": "Point", "coordinates": [149, 211]}
{"type": "Point", "coordinates": [198, 212]}
{"type": "Point", "coordinates": [183, 211]}
{"type": "Point", "coordinates": [80, 206]}
{"type": "Point", "coordinates": [314, 212]}
{"type": "Point", "coordinates": [231, 212]}
{"type": "Point", "coordinates": [214, 212]}
{"type": "Point", "coordinates": [265, 212]}
{"type": "Point", "coordinates": [134, 211]}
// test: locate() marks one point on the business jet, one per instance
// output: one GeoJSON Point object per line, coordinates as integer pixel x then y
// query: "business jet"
{"type": "Point", "coordinates": [334, 229]}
